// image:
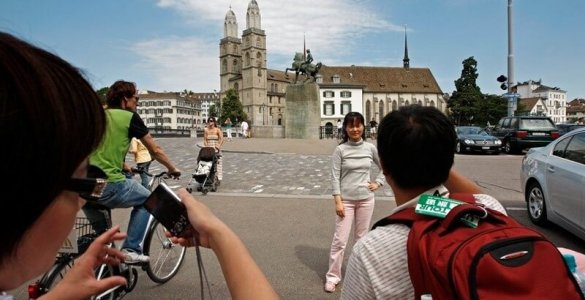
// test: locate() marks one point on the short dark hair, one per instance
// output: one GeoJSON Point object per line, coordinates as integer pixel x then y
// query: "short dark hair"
{"type": "Point", "coordinates": [352, 117]}
{"type": "Point", "coordinates": [51, 120]}
{"type": "Point", "coordinates": [118, 91]}
{"type": "Point", "coordinates": [416, 145]}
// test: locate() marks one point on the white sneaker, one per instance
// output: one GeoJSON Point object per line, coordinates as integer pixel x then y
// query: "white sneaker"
{"type": "Point", "coordinates": [132, 257]}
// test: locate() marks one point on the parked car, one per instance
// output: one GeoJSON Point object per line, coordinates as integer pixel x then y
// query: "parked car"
{"type": "Point", "coordinates": [564, 128]}
{"type": "Point", "coordinates": [523, 132]}
{"type": "Point", "coordinates": [552, 181]}
{"type": "Point", "coordinates": [474, 138]}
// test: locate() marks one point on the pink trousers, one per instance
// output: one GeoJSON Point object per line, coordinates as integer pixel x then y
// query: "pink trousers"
{"type": "Point", "coordinates": [361, 211]}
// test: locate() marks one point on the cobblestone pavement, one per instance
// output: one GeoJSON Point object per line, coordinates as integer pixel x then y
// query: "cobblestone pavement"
{"type": "Point", "coordinates": [264, 167]}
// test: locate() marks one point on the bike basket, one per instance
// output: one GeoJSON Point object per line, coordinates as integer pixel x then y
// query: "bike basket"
{"type": "Point", "coordinates": [83, 233]}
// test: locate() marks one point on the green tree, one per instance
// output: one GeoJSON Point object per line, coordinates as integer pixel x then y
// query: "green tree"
{"type": "Point", "coordinates": [468, 105]}
{"type": "Point", "coordinates": [214, 110]}
{"type": "Point", "coordinates": [231, 107]}
{"type": "Point", "coordinates": [491, 108]}
{"type": "Point", "coordinates": [102, 94]}
{"type": "Point", "coordinates": [467, 94]}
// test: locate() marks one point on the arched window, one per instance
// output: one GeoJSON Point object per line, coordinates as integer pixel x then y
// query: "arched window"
{"type": "Point", "coordinates": [258, 42]}
{"type": "Point", "coordinates": [224, 66]}
{"type": "Point", "coordinates": [368, 111]}
{"type": "Point", "coordinates": [380, 109]}
{"type": "Point", "coordinates": [236, 66]}
{"type": "Point", "coordinates": [247, 58]}
{"type": "Point", "coordinates": [394, 105]}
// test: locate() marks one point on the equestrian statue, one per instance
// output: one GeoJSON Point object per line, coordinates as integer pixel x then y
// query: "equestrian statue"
{"type": "Point", "coordinates": [305, 67]}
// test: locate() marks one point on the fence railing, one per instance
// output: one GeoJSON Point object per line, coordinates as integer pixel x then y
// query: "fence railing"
{"type": "Point", "coordinates": [164, 132]}
{"type": "Point", "coordinates": [330, 132]}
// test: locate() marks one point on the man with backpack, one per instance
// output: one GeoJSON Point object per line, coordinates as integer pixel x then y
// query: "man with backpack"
{"type": "Point", "coordinates": [416, 146]}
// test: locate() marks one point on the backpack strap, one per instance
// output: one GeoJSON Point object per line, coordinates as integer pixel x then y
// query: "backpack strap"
{"type": "Point", "coordinates": [406, 216]}
{"type": "Point", "coordinates": [465, 197]}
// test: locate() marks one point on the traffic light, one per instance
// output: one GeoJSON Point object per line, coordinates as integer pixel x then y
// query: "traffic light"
{"type": "Point", "coordinates": [503, 80]}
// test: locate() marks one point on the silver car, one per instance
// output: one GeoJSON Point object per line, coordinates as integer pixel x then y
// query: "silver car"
{"type": "Point", "coordinates": [553, 182]}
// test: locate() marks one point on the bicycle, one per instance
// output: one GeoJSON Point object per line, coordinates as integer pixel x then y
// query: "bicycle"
{"type": "Point", "coordinates": [166, 258]}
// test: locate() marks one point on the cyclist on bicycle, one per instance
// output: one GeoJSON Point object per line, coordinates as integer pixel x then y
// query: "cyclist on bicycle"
{"type": "Point", "coordinates": [47, 104]}
{"type": "Point", "coordinates": [123, 124]}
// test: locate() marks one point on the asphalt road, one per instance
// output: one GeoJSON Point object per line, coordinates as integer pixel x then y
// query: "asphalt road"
{"type": "Point", "coordinates": [275, 194]}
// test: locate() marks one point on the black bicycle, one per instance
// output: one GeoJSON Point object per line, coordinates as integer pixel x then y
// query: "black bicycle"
{"type": "Point", "coordinates": [166, 258]}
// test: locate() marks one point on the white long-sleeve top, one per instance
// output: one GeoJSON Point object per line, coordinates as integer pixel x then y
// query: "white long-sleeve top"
{"type": "Point", "coordinates": [351, 166]}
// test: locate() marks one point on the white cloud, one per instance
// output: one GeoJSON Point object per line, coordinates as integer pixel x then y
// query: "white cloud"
{"type": "Point", "coordinates": [179, 63]}
{"type": "Point", "coordinates": [330, 28]}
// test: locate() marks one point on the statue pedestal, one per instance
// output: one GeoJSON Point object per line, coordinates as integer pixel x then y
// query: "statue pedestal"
{"type": "Point", "coordinates": [302, 111]}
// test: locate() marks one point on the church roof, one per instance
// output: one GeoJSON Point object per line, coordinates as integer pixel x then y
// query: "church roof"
{"type": "Point", "coordinates": [278, 75]}
{"type": "Point", "coordinates": [383, 79]}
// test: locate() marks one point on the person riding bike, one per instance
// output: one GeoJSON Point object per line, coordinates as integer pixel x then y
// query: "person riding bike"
{"type": "Point", "coordinates": [123, 124]}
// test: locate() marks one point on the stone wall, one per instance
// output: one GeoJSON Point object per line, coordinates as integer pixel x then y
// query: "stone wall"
{"type": "Point", "coordinates": [267, 131]}
{"type": "Point", "coordinates": [302, 111]}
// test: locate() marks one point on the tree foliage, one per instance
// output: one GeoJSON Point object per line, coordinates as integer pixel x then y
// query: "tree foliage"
{"type": "Point", "coordinates": [468, 105]}
{"type": "Point", "coordinates": [232, 108]}
{"type": "Point", "coordinates": [102, 94]}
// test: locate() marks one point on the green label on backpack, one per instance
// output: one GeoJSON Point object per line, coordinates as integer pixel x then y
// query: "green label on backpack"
{"type": "Point", "coordinates": [439, 207]}
{"type": "Point", "coordinates": [435, 206]}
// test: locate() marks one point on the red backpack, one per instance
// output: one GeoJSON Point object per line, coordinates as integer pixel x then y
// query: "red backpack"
{"type": "Point", "coordinates": [500, 259]}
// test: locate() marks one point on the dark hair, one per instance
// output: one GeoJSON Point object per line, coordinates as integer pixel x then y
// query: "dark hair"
{"type": "Point", "coordinates": [416, 145]}
{"type": "Point", "coordinates": [211, 119]}
{"type": "Point", "coordinates": [351, 118]}
{"type": "Point", "coordinates": [119, 91]}
{"type": "Point", "coordinates": [51, 119]}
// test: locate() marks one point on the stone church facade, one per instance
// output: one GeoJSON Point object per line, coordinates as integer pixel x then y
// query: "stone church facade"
{"type": "Point", "coordinates": [372, 91]}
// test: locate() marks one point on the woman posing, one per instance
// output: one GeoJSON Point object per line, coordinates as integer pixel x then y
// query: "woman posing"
{"type": "Point", "coordinates": [213, 137]}
{"type": "Point", "coordinates": [353, 190]}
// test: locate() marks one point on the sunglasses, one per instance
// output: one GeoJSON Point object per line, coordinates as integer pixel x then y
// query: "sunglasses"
{"type": "Point", "coordinates": [91, 187]}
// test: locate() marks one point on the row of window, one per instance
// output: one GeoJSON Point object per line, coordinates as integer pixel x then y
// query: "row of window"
{"type": "Point", "coordinates": [331, 94]}
{"type": "Point", "coordinates": [329, 108]}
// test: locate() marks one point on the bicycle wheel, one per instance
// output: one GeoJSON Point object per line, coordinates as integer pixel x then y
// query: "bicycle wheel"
{"type": "Point", "coordinates": [102, 272]}
{"type": "Point", "coordinates": [165, 257]}
{"type": "Point", "coordinates": [63, 265]}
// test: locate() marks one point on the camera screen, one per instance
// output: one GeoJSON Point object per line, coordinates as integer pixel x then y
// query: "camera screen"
{"type": "Point", "coordinates": [166, 207]}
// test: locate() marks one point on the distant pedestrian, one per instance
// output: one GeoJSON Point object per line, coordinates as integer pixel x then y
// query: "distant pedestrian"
{"type": "Point", "coordinates": [353, 190]}
{"type": "Point", "coordinates": [228, 128]}
{"type": "Point", "coordinates": [213, 137]}
{"type": "Point", "coordinates": [142, 158]}
{"type": "Point", "coordinates": [244, 126]}
{"type": "Point", "coordinates": [339, 127]}
{"type": "Point", "coordinates": [373, 128]}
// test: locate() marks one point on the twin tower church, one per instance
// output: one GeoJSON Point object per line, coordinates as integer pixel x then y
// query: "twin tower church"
{"type": "Point", "coordinates": [371, 90]}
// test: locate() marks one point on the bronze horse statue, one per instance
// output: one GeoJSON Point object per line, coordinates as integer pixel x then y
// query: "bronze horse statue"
{"type": "Point", "coordinates": [300, 67]}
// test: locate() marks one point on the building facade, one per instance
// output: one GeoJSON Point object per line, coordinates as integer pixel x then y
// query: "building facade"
{"type": "Point", "coordinates": [243, 67]}
{"type": "Point", "coordinates": [372, 91]}
{"type": "Point", "coordinates": [375, 91]}
{"type": "Point", "coordinates": [554, 99]}
{"type": "Point", "coordinates": [176, 110]}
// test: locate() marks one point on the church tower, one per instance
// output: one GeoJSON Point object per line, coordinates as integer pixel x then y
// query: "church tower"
{"type": "Point", "coordinates": [406, 60]}
{"type": "Point", "coordinates": [253, 91]}
{"type": "Point", "coordinates": [230, 57]}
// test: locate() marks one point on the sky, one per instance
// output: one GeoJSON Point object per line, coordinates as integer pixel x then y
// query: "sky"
{"type": "Point", "coordinates": [173, 45]}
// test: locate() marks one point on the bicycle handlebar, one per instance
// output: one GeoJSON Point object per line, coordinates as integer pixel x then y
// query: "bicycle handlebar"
{"type": "Point", "coordinates": [163, 174]}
